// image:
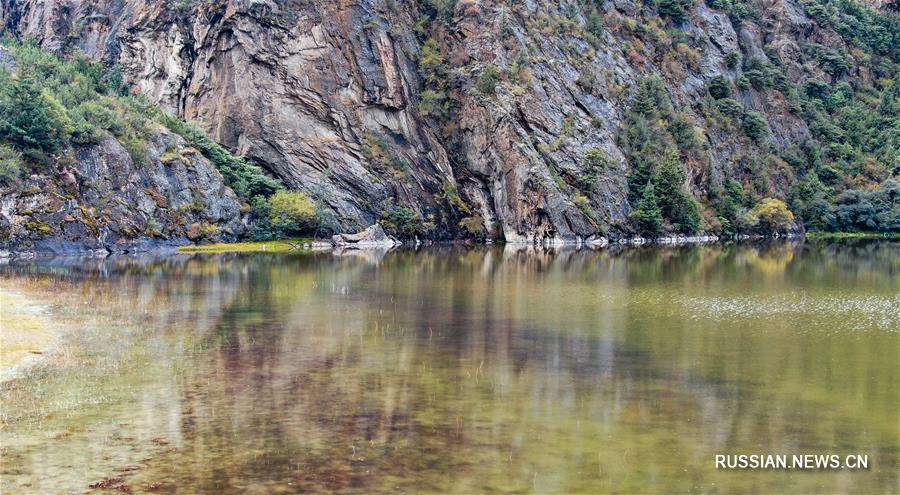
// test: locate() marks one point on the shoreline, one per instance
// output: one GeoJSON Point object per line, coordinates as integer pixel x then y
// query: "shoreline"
{"type": "Point", "coordinates": [306, 245]}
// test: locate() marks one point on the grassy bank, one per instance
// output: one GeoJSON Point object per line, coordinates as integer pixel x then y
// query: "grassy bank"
{"type": "Point", "coordinates": [279, 246]}
{"type": "Point", "coordinates": [853, 235]}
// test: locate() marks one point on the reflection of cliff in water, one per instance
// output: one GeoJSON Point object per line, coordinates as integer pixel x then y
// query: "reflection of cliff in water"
{"type": "Point", "coordinates": [503, 369]}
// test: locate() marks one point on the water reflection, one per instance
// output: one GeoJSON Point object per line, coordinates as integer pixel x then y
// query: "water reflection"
{"type": "Point", "coordinates": [484, 370]}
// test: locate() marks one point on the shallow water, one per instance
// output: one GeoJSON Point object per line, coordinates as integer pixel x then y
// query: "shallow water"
{"type": "Point", "coordinates": [452, 370]}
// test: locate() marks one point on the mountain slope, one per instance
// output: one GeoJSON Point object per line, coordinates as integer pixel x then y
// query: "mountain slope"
{"type": "Point", "coordinates": [84, 169]}
{"type": "Point", "coordinates": [525, 120]}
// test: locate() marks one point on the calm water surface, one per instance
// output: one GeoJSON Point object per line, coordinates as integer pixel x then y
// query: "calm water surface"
{"type": "Point", "coordinates": [452, 370]}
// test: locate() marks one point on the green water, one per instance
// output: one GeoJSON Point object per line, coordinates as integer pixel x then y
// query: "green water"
{"type": "Point", "coordinates": [452, 370]}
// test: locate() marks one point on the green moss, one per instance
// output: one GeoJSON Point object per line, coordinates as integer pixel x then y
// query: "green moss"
{"type": "Point", "coordinates": [38, 227]}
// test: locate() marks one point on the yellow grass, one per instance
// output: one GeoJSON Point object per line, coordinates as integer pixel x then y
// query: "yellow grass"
{"type": "Point", "coordinates": [25, 331]}
{"type": "Point", "coordinates": [280, 246]}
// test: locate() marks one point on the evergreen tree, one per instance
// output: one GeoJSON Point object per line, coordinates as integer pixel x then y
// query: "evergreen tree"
{"type": "Point", "coordinates": [677, 206]}
{"type": "Point", "coordinates": [29, 117]}
{"type": "Point", "coordinates": [647, 217]}
{"type": "Point", "coordinates": [652, 100]}
{"type": "Point", "coordinates": [668, 180]}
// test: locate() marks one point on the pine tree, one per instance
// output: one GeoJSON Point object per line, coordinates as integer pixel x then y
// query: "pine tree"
{"type": "Point", "coordinates": [668, 180]}
{"type": "Point", "coordinates": [29, 117]}
{"type": "Point", "coordinates": [647, 217]}
{"type": "Point", "coordinates": [677, 206]}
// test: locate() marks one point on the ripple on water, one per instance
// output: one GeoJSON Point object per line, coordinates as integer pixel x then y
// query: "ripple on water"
{"type": "Point", "coordinates": [843, 313]}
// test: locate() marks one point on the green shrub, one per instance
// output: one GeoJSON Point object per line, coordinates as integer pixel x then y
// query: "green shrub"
{"type": "Point", "coordinates": [11, 166]}
{"type": "Point", "coordinates": [878, 210]}
{"type": "Point", "coordinates": [433, 64]}
{"type": "Point", "coordinates": [676, 205]}
{"type": "Point", "coordinates": [29, 116]}
{"type": "Point", "coordinates": [404, 222]}
{"type": "Point", "coordinates": [677, 10]}
{"type": "Point", "coordinates": [594, 27]}
{"type": "Point", "coordinates": [292, 212]}
{"type": "Point", "coordinates": [730, 107]}
{"type": "Point", "coordinates": [487, 82]}
{"type": "Point", "coordinates": [732, 59]}
{"type": "Point", "coordinates": [737, 10]}
{"type": "Point", "coordinates": [196, 231]}
{"type": "Point", "coordinates": [474, 227]}
{"type": "Point", "coordinates": [719, 87]}
{"type": "Point", "coordinates": [769, 216]}
{"type": "Point", "coordinates": [682, 131]}
{"type": "Point", "coordinates": [859, 24]}
{"type": "Point", "coordinates": [755, 125]}
{"type": "Point", "coordinates": [434, 103]}
{"type": "Point", "coordinates": [652, 98]}
{"type": "Point", "coordinates": [245, 178]}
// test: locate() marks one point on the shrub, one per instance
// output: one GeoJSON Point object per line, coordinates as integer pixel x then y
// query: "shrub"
{"type": "Point", "coordinates": [10, 166]}
{"type": "Point", "coordinates": [434, 103]}
{"type": "Point", "coordinates": [245, 178]}
{"type": "Point", "coordinates": [682, 131]}
{"type": "Point", "coordinates": [433, 63]}
{"type": "Point", "coordinates": [651, 98]}
{"type": "Point", "coordinates": [292, 212]}
{"type": "Point", "coordinates": [769, 216]}
{"type": "Point", "coordinates": [487, 82]}
{"type": "Point", "coordinates": [732, 59]}
{"type": "Point", "coordinates": [719, 87]}
{"type": "Point", "coordinates": [595, 159]}
{"type": "Point", "coordinates": [594, 27]}
{"type": "Point", "coordinates": [755, 125]}
{"type": "Point", "coordinates": [474, 226]}
{"type": "Point", "coordinates": [737, 10]}
{"type": "Point", "coordinates": [404, 222]}
{"type": "Point", "coordinates": [878, 210]}
{"type": "Point", "coordinates": [90, 119]}
{"type": "Point", "coordinates": [196, 231]}
{"type": "Point", "coordinates": [677, 10]}
{"type": "Point", "coordinates": [31, 117]}
{"type": "Point", "coordinates": [730, 107]}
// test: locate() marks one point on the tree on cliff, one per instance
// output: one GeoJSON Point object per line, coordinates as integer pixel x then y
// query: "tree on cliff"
{"type": "Point", "coordinates": [677, 206]}
{"type": "Point", "coordinates": [647, 217]}
{"type": "Point", "coordinates": [31, 118]}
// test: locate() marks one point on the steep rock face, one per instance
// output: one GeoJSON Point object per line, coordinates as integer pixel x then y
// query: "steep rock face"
{"type": "Point", "coordinates": [327, 95]}
{"type": "Point", "coordinates": [103, 201]}
{"type": "Point", "coordinates": [297, 86]}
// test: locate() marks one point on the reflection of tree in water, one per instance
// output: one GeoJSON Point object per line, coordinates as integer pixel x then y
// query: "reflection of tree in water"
{"type": "Point", "coordinates": [494, 369]}
{"type": "Point", "coordinates": [454, 370]}
{"type": "Point", "coordinates": [115, 385]}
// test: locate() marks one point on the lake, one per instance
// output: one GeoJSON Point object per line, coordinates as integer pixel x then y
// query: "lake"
{"type": "Point", "coordinates": [460, 370]}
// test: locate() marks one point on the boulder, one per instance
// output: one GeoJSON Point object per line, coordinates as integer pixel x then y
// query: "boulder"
{"type": "Point", "coordinates": [373, 236]}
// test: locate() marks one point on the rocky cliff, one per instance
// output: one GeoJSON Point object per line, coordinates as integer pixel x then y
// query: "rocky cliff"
{"type": "Point", "coordinates": [132, 186]}
{"type": "Point", "coordinates": [103, 201]}
{"type": "Point", "coordinates": [509, 119]}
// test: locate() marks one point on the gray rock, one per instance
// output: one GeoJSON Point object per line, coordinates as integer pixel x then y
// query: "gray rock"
{"type": "Point", "coordinates": [107, 203]}
{"type": "Point", "coordinates": [374, 236]}
{"type": "Point", "coordinates": [306, 88]}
